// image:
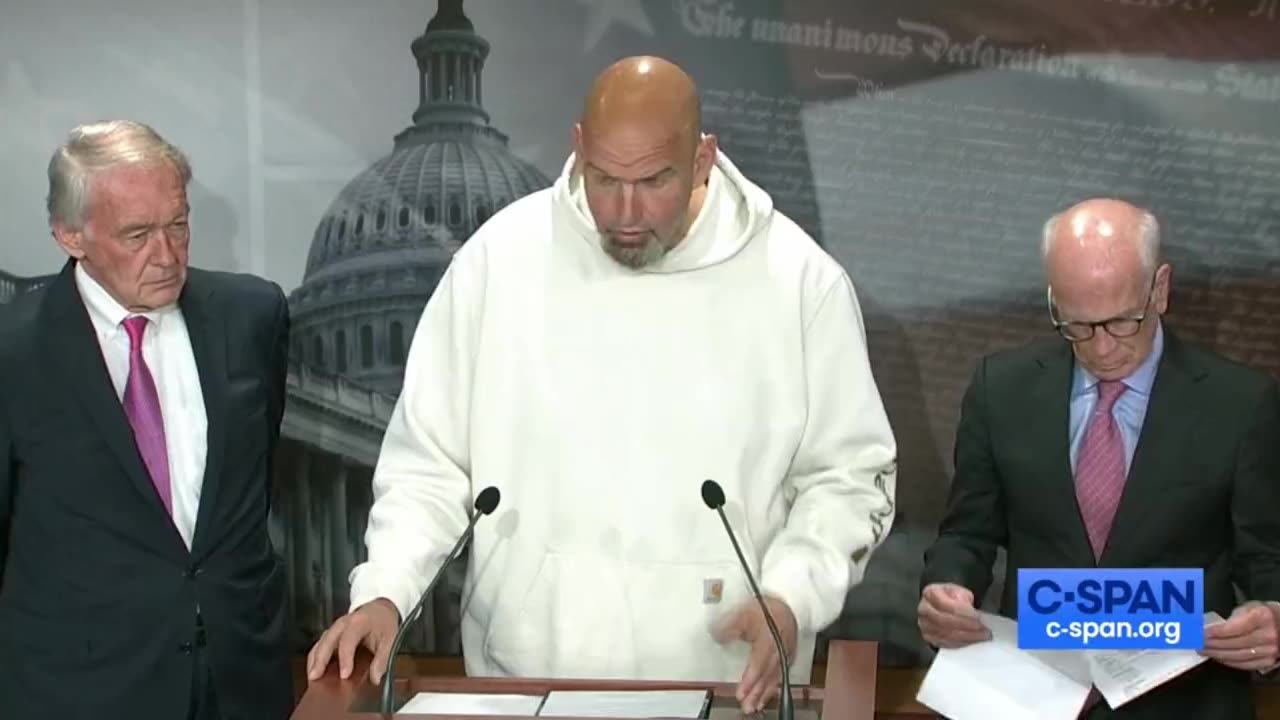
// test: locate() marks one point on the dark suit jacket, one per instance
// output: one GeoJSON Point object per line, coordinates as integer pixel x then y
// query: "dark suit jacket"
{"type": "Point", "coordinates": [1203, 491]}
{"type": "Point", "coordinates": [98, 594]}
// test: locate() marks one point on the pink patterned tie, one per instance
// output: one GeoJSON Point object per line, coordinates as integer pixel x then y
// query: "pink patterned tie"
{"type": "Point", "coordinates": [142, 406]}
{"type": "Point", "coordinates": [1100, 468]}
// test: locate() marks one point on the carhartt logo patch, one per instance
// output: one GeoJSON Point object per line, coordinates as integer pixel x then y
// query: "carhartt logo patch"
{"type": "Point", "coordinates": [712, 590]}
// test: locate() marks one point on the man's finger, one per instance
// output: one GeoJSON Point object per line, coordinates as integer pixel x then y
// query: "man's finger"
{"type": "Point", "coordinates": [954, 635]}
{"type": "Point", "coordinates": [952, 641]}
{"type": "Point", "coordinates": [966, 636]}
{"type": "Point", "coordinates": [1231, 642]}
{"type": "Point", "coordinates": [1258, 638]}
{"type": "Point", "coordinates": [754, 671]}
{"type": "Point", "coordinates": [959, 615]}
{"type": "Point", "coordinates": [955, 602]}
{"type": "Point", "coordinates": [950, 618]}
{"type": "Point", "coordinates": [951, 623]}
{"type": "Point", "coordinates": [764, 691]}
{"type": "Point", "coordinates": [771, 691]}
{"type": "Point", "coordinates": [764, 657]}
{"type": "Point", "coordinates": [1237, 626]}
{"type": "Point", "coordinates": [352, 634]}
{"type": "Point", "coordinates": [318, 658]}
{"type": "Point", "coordinates": [949, 597]}
{"type": "Point", "coordinates": [1241, 659]}
{"type": "Point", "coordinates": [381, 648]}
{"type": "Point", "coordinates": [947, 631]}
{"type": "Point", "coordinates": [312, 657]}
{"type": "Point", "coordinates": [751, 702]}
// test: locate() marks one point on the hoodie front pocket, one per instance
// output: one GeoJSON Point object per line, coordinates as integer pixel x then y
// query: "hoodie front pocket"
{"type": "Point", "coordinates": [568, 624]}
{"type": "Point", "coordinates": [676, 606]}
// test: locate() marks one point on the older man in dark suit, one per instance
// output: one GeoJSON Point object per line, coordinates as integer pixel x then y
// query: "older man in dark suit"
{"type": "Point", "coordinates": [140, 403]}
{"type": "Point", "coordinates": [1123, 447]}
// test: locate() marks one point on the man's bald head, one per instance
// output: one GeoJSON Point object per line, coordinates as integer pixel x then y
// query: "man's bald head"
{"type": "Point", "coordinates": [1101, 260]}
{"type": "Point", "coordinates": [647, 93]}
{"type": "Point", "coordinates": [642, 157]}
{"type": "Point", "coordinates": [1102, 231]}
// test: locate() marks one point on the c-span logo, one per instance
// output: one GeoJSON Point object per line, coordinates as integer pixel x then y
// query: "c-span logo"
{"type": "Point", "coordinates": [1107, 609]}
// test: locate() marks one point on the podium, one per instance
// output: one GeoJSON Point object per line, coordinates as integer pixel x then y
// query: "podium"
{"type": "Point", "coordinates": [846, 691]}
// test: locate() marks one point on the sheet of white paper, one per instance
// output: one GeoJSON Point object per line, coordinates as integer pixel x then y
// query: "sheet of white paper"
{"type": "Point", "coordinates": [429, 703]}
{"type": "Point", "coordinates": [993, 680]}
{"type": "Point", "coordinates": [1068, 662]}
{"type": "Point", "coordinates": [625, 704]}
{"type": "Point", "coordinates": [1122, 675]}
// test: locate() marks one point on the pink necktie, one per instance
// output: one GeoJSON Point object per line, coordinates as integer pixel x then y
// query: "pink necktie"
{"type": "Point", "coordinates": [142, 406]}
{"type": "Point", "coordinates": [1100, 468]}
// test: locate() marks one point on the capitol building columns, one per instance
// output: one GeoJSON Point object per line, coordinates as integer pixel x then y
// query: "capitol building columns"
{"type": "Point", "coordinates": [323, 504]}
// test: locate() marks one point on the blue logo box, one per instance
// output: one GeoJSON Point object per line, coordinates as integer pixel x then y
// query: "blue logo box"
{"type": "Point", "coordinates": [1111, 609]}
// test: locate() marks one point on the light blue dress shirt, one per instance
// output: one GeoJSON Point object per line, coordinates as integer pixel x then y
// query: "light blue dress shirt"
{"type": "Point", "coordinates": [1130, 409]}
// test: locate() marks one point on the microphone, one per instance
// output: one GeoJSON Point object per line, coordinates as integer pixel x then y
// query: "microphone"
{"type": "Point", "coordinates": [485, 504]}
{"type": "Point", "coordinates": [713, 496]}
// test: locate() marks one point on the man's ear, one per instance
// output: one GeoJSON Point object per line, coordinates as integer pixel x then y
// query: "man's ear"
{"type": "Point", "coordinates": [704, 159]}
{"type": "Point", "coordinates": [579, 165]}
{"type": "Point", "coordinates": [71, 240]}
{"type": "Point", "coordinates": [577, 142]}
{"type": "Point", "coordinates": [1163, 284]}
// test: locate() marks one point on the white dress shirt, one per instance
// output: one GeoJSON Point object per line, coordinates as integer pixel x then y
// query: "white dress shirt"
{"type": "Point", "coordinates": [166, 346]}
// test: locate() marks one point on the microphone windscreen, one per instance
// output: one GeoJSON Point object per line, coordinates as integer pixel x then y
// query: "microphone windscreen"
{"type": "Point", "coordinates": [488, 499]}
{"type": "Point", "coordinates": [712, 495]}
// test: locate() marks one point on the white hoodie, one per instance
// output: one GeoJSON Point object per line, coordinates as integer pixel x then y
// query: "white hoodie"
{"type": "Point", "coordinates": [597, 399]}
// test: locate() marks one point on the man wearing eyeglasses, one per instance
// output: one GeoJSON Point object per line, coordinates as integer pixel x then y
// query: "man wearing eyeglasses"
{"type": "Point", "coordinates": [1121, 447]}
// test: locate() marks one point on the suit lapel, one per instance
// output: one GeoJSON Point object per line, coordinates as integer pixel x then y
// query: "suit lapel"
{"type": "Point", "coordinates": [1050, 421]}
{"type": "Point", "coordinates": [77, 355]}
{"type": "Point", "coordinates": [208, 344]}
{"type": "Point", "coordinates": [1167, 425]}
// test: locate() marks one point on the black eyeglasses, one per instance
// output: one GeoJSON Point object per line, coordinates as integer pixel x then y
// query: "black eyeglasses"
{"type": "Point", "coordinates": [1118, 327]}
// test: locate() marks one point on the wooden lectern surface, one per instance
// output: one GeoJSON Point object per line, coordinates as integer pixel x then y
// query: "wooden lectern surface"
{"type": "Point", "coordinates": [859, 682]}
{"type": "Point", "coordinates": [847, 692]}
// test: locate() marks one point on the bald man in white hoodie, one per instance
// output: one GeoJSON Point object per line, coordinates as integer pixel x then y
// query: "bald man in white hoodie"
{"type": "Point", "coordinates": [595, 351]}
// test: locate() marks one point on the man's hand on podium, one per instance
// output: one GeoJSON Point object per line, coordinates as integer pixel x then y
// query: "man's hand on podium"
{"type": "Point", "coordinates": [372, 625]}
{"type": "Point", "coordinates": [760, 680]}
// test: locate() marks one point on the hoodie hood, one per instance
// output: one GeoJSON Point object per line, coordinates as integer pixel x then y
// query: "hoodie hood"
{"type": "Point", "coordinates": [735, 211]}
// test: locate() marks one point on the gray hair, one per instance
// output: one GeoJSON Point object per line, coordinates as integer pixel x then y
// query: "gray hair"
{"type": "Point", "coordinates": [101, 146]}
{"type": "Point", "coordinates": [1148, 240]}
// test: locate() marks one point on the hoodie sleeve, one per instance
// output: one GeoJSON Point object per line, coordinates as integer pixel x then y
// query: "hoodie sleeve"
{"type": "Point", "coordinates": [843, 478]}
{"type": "Point", "coordinates": [421, 484]}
